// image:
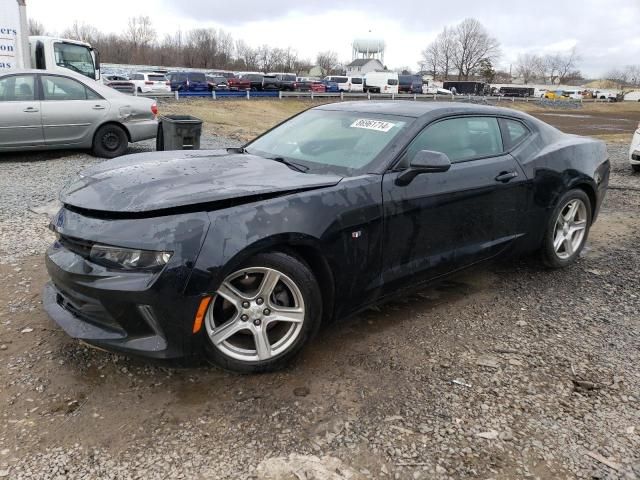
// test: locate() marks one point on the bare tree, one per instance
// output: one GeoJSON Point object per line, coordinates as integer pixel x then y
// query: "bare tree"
{"type": "Point", "coordinates": [567, 64]}
{"type": "Point", "coordinates": [447, 47]}
{"type": "Point", "coordinates": [529, 67]}
{"type": "Point", "coordinates": [82, 31]}
{"type": "Point", "coordinates": [430, 60]}
{"type": "Point", "coordinates": [328, 62]}
{"type": "Point", "coordinates": [36, 28]}
{"type": "Point", "coordinates": [473, 45]}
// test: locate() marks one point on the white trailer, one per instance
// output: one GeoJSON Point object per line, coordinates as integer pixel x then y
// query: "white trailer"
{"type": "Point", "coordinates": [18, 50]}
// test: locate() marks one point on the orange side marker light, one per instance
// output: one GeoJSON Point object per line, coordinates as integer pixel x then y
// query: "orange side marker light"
{"type": "Point", "coordinates": [202, 309]}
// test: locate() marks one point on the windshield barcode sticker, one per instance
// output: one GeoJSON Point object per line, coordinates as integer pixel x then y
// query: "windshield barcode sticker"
{"type": "Point", "coordinates": [377, 125]}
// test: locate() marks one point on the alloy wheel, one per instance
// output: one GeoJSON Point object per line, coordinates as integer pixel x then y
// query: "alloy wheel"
{"type": "Point", "coordinates": [257, 314]}
{"type": "Point", "coordinates": [570, 228]}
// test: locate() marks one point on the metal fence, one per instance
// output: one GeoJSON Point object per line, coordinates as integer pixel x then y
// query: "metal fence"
{"type": "Point", "coordinates": [248, 95]}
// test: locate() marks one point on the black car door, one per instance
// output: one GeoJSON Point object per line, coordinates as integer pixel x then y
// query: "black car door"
{"type": "Point", "coordinates": [444, 221]}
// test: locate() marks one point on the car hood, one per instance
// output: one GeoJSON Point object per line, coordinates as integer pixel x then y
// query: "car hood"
{"type": "Point", "coordinates": [168, 180]}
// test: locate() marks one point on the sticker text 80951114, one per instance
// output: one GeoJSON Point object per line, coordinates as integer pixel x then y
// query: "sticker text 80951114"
{"type": "Point", "coordinates": [377, 125]}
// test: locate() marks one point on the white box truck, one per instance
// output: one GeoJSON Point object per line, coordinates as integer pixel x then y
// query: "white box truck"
{"type": "Point", "coordinates": [19, 50]}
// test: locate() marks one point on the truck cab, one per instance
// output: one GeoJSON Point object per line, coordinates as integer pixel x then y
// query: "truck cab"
{"type": "Point", "coordinates": [51, 53]}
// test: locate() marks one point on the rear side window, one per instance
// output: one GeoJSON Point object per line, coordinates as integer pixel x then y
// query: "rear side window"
{"type": "Point", "coordinates": [63, 88]}
{"type": "Point", "coordinates": [392, 81]}
{"type": "Point", "coordinates": [460, 138]}
{"type": "Point", "coordinates": [513, 132]}
{"type": "Point", "coordinates": [17, 88]}
{"type": "Point", "coordinates": [356, 81]}
{"type": "Point", "coordinates": [197, 77]}
{"type": "Point", "coordinates": [340, 79]}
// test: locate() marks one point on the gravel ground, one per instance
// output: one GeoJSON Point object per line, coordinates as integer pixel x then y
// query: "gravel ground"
{"type": "Point", "coordinates": [510, 371]}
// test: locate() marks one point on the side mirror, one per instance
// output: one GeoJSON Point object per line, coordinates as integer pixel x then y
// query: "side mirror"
{"type": "Point", "coordinates": [424, 161]}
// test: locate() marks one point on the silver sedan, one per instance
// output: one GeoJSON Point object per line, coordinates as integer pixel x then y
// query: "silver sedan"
{"type": "Point", "coordinates": [43, 110]}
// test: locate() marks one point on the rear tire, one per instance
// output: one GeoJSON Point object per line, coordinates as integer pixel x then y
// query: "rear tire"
{"type": "Point", "coordinates": [567, 229]}
{"type": "Point", "coordinates": [250, 302]}
{"type": "Point", "coordinates": [110, 141]}
{"type": "Point", "coordinates": [636, 168]}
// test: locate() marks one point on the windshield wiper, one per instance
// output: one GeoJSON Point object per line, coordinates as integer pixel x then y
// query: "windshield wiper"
{"type": "Point", "coordinates": [293, 165]}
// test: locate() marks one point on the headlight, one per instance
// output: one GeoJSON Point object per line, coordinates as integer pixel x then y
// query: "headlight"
{"type": "Point", "coordinates": [128, 259]}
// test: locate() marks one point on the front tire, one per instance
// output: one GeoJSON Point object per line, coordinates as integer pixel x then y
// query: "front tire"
{"type": "Point", "coordinates": [110, 141]}
{"type": "Point", "coordinates": [567, 229]}
{"type": "Point", "coordinates": [263, 314]}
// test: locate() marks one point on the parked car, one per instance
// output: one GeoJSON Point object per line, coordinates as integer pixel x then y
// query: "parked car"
{"type": "Point", "coordinates": [381, 82]}
{"type": "Point", "coordinates": [270, 82]}
{"type": "Point", "coordinates": [120, 83]}
{"type": "Point", "coordinates": [341, 80]}
{"type": "Point", "coordinates": [286, 81]}
{"type": "Point", "coordinates": [45, 110]}
{"type": "Point", "coordinates": [188, 81]}
{"type": "Point", "coordinates": [609, 95]}
{"type": "Point", "coordinates": [330, 86]}
{"type": "Point", "coordinates": [572, 94]}
{"type": "Point", "coordinates": [146, 82]}
{"type": "Point", "coordinates": [409, 84]}
{"type": "Point", "coordinates": [634, 151]}
{"type": "Point", "coordinates": [310, 86]}
{"type": "Point", "coordinates": [432, 89]}
{"type": "Point", "coordinates": [237, 83]}
{"type": "Point", "coordinates": [256, 81]}
{"type": "Point", "coordinates": [356, 84]}
{"type": "Point", "coordinates": [219, 84]}
{"type": "Point", "coordinates": [633, 96]}
{"type": "Point", "coordinates": [249, 250]}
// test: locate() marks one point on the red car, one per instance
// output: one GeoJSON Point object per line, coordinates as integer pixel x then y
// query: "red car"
{"type": "Point", "coordinates": [236, 83]}
{"type": "Point", "coordinates": [310, 86]}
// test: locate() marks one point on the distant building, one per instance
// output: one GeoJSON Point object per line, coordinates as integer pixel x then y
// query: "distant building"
{"type": "Point", "coordinates": [362, 66]}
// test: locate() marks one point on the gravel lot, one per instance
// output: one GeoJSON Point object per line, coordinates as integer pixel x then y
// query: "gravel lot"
{"type": "Point", "coordinates": [510, 371]}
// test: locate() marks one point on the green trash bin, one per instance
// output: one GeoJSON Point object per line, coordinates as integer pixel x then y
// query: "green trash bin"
{"type": "Point", "coordinates": [178, 132]}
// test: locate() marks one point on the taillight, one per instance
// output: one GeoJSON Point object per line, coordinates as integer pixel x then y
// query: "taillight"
{"type": "Point", "coordinates": [168, 83]}
{"type": "Point", "coordinates": [154, 109]}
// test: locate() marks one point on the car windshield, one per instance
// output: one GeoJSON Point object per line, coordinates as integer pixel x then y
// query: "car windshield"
{"type": "Point", "coordinates": [325, 141]}
{"type": "Point", "coordinates": [75, 57]}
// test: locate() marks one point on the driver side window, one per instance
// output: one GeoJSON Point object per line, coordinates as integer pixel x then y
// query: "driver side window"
{"type": "Point", "coordinates": [461, 138]}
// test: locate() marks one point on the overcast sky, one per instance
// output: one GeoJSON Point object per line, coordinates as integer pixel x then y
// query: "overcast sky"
{"type": "Point", "coordinates": [605, 32]}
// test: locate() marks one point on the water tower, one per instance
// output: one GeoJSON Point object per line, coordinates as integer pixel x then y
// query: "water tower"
{"type": "Point", "coordinates": [368, 46]}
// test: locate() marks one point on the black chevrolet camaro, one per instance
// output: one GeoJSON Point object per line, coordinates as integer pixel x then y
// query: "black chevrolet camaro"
{"type": "Point", "coordinates": [244, 253]}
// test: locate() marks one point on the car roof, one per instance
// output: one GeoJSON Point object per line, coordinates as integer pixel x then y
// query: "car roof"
{"type": "Point", "coordinates": [412, 109]}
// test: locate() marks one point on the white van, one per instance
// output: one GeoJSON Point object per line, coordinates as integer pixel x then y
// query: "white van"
{"type": "Point", "coordinates": [633, 96]}
{"type": "Point", "coordinates": [381, 82]}
{"type": "Point", "coordinates": [356, 84]}
{"type": "Point", "coordinates": [342, 81]}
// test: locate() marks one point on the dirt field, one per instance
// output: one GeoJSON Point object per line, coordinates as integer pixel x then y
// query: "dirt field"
{"type": "Point", "coordinates": [508, 371]}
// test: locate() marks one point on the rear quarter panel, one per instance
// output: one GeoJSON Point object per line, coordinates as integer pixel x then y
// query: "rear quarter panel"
{"type": "Point", "coordinates": [555, 163]}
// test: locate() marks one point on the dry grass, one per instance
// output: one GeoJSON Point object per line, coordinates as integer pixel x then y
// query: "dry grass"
{"type": "Point", "coordinates": [245, 119]}
{"type": "Point", "coordinates": [239, 119]}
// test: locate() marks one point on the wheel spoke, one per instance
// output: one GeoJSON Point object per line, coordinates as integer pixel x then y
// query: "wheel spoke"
{"type": "Point", "coordinates": [557, 243]}
{"type": "Point", "coordinates": [290, 315]}
{"type": "Point", "coordinates": [229, 329]}
{"type": "Point", "coordinates": [571, 214]}
{"type": "Point", "coordinates": [578, 226]}
{"type": "Point", "coordinates": [228, 292]}
{"type": "Point", "coordinates": [269, 282]}
{"type": "Point", "coordinates": [261, 339]}
{"type": "Point", "coordinates": [568, 245]}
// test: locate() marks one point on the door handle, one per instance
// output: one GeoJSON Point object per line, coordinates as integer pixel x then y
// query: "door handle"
{"type": "Point", "coordinates": [99, 107]}
{"type": "Point", "coordinates": [504, 177]}
{"type": "Point", "coordinates": [31, 110]}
